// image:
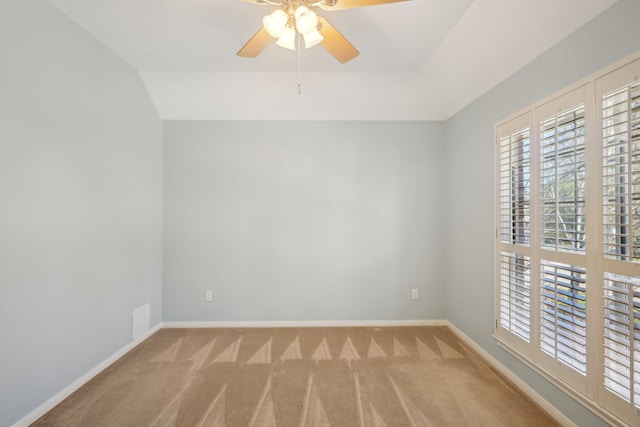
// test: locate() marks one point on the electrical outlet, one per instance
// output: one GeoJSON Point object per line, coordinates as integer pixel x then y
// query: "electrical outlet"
{"type": "Point", "coordinates": [208, 296]}
{"type": "Point", "coordinates": [415, 294]}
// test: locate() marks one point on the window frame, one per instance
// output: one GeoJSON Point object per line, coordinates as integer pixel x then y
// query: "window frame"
{"type": "Point", "coordinates": [588, 389]}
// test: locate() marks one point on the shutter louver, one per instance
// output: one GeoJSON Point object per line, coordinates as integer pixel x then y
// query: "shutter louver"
{"type": "Point", "coordinates": [563, 334]}
{"type": "Point", "coordinates": [515, 294]}
{"type": "Point", "coordinates": [622, 337]}
{"type": "Point", "coordinates": [562, 180]}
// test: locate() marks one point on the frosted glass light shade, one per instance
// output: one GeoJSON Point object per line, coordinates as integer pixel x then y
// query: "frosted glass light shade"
{"type": "Point", "coordinates": [306, 20]}
{"type": "Point", "coordinates": [313, 38]}
{"type": "Point", "coordinates": [287, 39]}
{"type": "Point", "coordinates": [275, 23]}
{"type": "Point", "coordinates": [300, 11]}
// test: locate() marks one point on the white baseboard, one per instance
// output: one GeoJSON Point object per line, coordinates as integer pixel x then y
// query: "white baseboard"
{"type": "Point", "coordinates": [304, 323]}
{"type": "Point", "coordinates": [523, 386]}
{"type": "Point", "coordinates": [67, 391]}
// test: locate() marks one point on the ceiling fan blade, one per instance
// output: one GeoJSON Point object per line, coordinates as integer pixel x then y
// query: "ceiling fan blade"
{"type": "Point", "coordinates": [335, 43]}
{"type": "Point", "coordinates": [256, 45]}
{"type": "Point", "coordinates": [349, 4]}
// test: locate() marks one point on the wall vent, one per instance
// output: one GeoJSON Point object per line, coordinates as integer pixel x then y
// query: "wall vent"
{"type": "Point", "coordinates": [141, 320]}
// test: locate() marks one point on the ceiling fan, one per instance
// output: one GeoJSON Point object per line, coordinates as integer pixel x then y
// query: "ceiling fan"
{"type": "Point", "coordinates": [293, 17]}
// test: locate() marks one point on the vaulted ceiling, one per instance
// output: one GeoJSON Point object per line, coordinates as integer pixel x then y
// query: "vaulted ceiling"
{"type": "Point", "coordinates": [419, 59]}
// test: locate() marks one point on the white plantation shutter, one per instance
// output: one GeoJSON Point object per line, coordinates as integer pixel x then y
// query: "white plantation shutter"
{"type": "Point", "coordinates": [515, 294]}
{"type": "Point", "coordinates": [619, 95]}
{"type": "Point", "coordinates": [567, 242]}
{"type": "Point", "coordinates": [514, 232]}
{"type": "Point", "coordinates": [621, 138]}
{"type": "Point", "coordinates": [622, 337]}
{"type": "Point", "coordinates": [562, 180]}
{"type": "Point", "coordinates": [515, 187]}
{"type": "Point", "coordinates": [541, 219]}
{"type": "Point", "coordinates": [562, 220]}
{"type": "Point", "coordinates": [563, 317]}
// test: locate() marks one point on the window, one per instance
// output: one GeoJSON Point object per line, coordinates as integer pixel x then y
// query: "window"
{"type": "Point", "coordinates": [514, 211]}
{"type": "Point", "coordinates": [622, 337]}
{"type": "Point", "coordinates": [515, 188]}
{"type": "Point", "coordinates": [568, 241]}
{"type": "Point", "coordinates": [619, 95]}
{"type": "Point", "coordinates": [515, 294]}
{"type": "Point", "coordinates": [563, 320]}
{"type": "Point", "coordinates": [562, 180]}
{"type": "Point", "coordinates": [621, 160]}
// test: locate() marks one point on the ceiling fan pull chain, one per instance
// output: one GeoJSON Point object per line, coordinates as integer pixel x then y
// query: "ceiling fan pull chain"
{"type": "Point", "coordinates": [299, 62]}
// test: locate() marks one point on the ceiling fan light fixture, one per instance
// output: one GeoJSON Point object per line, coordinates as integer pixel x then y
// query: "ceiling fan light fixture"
{"type": "Point", "coordinates": [306, 20]}
{"type": "Point", "coordinates": [275, 23]}
{"type": "Point", "coordinates": [300, 10]}
{"type": "Point", "coordinates": [313, 38]}
{"type": "Point", "coordinates": [295, 19]}
{"type": "Point", "coordinates": [287, 39]}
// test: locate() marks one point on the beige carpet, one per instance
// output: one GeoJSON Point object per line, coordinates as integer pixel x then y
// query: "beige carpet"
{"type": "Point", "coordinates": [404, 376]}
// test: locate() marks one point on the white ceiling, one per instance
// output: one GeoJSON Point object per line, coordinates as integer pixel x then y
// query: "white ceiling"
{"type": "Point", "coordinates": [419, 59]}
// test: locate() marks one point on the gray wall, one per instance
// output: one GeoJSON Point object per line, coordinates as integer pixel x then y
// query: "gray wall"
{"type": "Point", "coordinates": [469, 154]}
{"type": "Point", "coordinates": [80, 204]}
{"type": "Point", "coordinates": [303, 220]}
